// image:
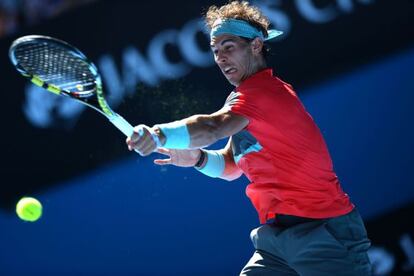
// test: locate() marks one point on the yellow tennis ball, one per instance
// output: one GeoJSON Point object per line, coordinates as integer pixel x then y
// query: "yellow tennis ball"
{"type": "Point", "coordinates": [29, 209]}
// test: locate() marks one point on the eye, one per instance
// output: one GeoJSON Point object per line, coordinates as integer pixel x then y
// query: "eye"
{"type": "Point", "coordinates": [228, 47]}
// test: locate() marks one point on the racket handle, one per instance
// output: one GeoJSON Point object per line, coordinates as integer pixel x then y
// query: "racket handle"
{"type": "Point", "coordinates": [127, 129]}
{"type": "Point", "coordinates": [154, 136]}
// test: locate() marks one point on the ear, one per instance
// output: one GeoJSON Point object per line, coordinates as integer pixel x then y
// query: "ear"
{"type": "Point", "coordinates": [257, 45]}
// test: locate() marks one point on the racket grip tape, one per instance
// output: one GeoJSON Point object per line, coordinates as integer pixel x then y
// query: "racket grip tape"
{"type": "Point", "coordinates": [127, 129]}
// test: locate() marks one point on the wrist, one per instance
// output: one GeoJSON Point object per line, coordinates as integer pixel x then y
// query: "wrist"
{"type": "Point", "coordinates": [175, 135]}
{"type": "Point", "coordinates": [201, 160]}
{"type": "Point", "coordinates": [214, 164]}
{"type": "Point", "coordinates": [160, 135]}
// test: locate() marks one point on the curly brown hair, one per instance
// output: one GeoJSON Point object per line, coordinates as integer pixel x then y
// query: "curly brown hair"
{"type": "Point", "coordinates": [238, 10]}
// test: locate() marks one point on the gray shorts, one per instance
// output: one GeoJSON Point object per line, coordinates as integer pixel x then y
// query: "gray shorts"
{"type": "Point", "coordinates": [335, 246]}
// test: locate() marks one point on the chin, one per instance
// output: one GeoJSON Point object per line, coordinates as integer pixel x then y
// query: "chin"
{"type": "Point", "coordinates": [233, 81]}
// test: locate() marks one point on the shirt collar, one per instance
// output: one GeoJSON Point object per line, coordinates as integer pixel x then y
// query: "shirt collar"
{"type": "Point", "coordinates": [252, 80]}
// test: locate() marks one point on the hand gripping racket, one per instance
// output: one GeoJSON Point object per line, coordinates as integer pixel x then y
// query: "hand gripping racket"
{"type": "Point", "coordinates": [62, 69]}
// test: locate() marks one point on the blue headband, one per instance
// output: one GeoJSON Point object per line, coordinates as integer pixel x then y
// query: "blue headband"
{"type": "Point", "coordinates": [241, 28]}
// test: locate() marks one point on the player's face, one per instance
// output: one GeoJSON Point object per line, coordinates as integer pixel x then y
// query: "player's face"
{"type": "Point", "coordinates": [234, 57]}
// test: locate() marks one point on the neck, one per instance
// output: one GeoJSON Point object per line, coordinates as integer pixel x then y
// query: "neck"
{"type": "Point", "coordinates": [260, 66]}
{"type": "Point", "coordinates": [254, 67]}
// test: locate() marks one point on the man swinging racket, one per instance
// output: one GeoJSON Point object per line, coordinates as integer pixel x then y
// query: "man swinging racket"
{"type": "Point", "coordinates": [308, 224]}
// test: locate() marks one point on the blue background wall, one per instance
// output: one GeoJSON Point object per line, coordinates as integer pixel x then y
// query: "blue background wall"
{"type": "Point", "coordinates": [131, 217]}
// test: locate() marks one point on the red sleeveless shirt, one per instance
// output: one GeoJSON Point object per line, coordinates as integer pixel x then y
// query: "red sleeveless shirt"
{"type": "Point", "coordinates": [282, 152]}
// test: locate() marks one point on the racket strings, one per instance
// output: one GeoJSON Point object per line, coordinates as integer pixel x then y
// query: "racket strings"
{"type": "Point", "coordinates": [55, 65]}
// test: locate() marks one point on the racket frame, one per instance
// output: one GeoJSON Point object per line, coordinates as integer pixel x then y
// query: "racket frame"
{"type": "Point", "coordinates": [94, 98]}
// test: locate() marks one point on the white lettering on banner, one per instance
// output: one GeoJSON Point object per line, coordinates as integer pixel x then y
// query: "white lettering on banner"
{"type": "Point", "coordinates": [276, 17]}
{"type": "Point", "coordinates": [157, 56]}
{"type": "Point", "coordinates": [407, 246]}
{"type": "Point", "coordinates": [310, 11]}
{"type": "Point", "coordinates": [135, 67]}
{"type": "Point", "coordinates": [382, 260]}
{"type": "Point", "coordinates": [113, 81]}
{"type": "Point", "coordinates": [44, 110]}
{"type": "Point", "coordinates": [316, 14]}
{"type": "Point", "coordinates": [187, 40]}
{"type": "Point", "coordinates": [38, 109]}
{"type": "Point", "coordinates": [153, 68]}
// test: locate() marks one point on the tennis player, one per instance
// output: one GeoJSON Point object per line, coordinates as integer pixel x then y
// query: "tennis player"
{"type": "Point", "coordinates": [309, 226]}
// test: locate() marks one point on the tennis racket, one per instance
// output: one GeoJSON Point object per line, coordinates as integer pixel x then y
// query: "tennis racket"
{"type": "Point", "coordinates": [63, 70]}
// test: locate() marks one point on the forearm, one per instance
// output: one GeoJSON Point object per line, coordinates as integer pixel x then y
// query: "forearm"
{"type": "Point", "coordinates": [199, 130]}
{"type": "Point", "coordinates": [205, 130]}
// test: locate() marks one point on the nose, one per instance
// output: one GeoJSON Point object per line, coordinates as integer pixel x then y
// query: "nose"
{"type": "Point", "coordinates": [220, 57]}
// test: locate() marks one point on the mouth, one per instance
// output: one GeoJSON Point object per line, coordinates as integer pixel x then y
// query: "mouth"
{"type": "Point", "coordinates": [229, 70]}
